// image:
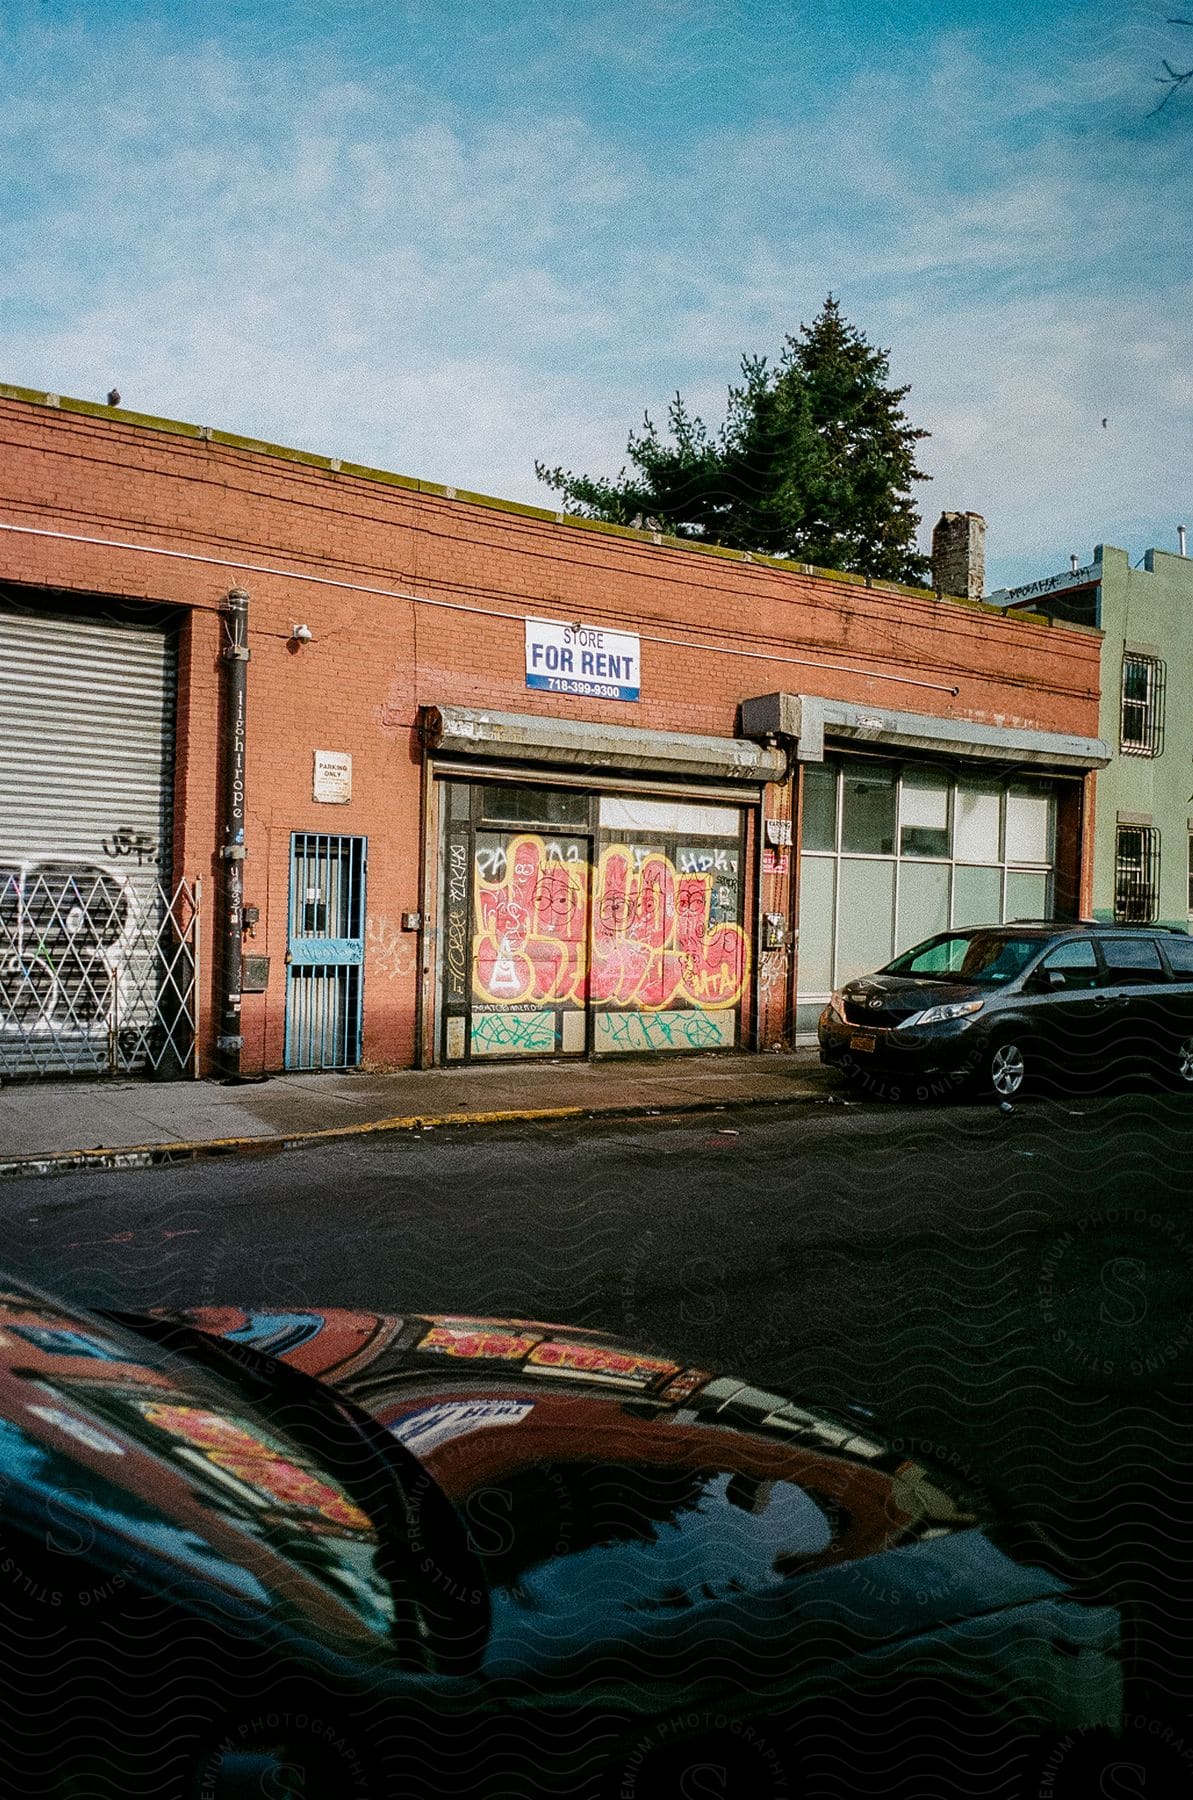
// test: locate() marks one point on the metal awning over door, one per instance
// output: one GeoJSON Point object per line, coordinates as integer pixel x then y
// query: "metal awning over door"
{"type": "Point", "coordinates": [477, 733]}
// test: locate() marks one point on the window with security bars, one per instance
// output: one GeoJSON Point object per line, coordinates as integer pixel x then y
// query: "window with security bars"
{"type": "Point", "coordinates": [1141, 730]}
{"type": "Point", "coordinates": [1136, 874]}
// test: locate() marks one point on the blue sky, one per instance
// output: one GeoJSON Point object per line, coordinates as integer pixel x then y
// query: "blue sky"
{"type": "Point", "coordinates": [449, 238]}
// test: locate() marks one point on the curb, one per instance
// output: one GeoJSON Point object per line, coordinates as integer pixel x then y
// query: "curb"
{"type": "Point", "coordinates": [149, 1156]}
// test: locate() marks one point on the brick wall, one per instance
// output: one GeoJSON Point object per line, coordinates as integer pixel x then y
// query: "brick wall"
{"type": "Point", "coordinates": [376, 658]}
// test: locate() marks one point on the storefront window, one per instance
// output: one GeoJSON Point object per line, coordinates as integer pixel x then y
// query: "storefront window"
{"type": "Point", "coordinates": [865, 917]}
{"type": "Point", "coordinates": [977, 821]}
{"type": "Point", "coordinates": [1029, 825]}
{"type": "Point", "coordinates": [977, 896]}
{"type": "Point", "coordinates": [529, 944]}
{"type": "Point", "coordinates": [819, 831]}
{"type": "Point", "coordinates": [535, 805]}
{"type": "Point", "coordinates": [868, 809]}
{"type": "Point", "coordinates": [817, 909]}
{"type": "Point", "coordinates": [670, 959]}
{"type": "Point", "coordinates": [559, 940]}
{"type": "Point", "coordinates": [627, 813]}
{"type": "Point", "coordinates": [721, 863]}
{"type": "Point", "coordinates": [924, 813]}
{"type": "Point", "coordinates": [968, 850]}
{"type": "Point", "coordinates": [1027, 895]}
{"type": "Point", "coordinates": [923, 901]}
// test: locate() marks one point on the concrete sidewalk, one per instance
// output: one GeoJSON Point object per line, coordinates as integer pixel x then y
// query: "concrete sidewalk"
{"type": "Point", "coordinates": [51, 1126]}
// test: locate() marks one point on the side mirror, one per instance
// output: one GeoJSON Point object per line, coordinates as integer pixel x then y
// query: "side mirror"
{"type": "Point", "coordinates": [1045, 981]}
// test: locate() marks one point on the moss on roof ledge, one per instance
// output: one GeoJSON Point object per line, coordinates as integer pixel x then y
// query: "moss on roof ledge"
{"type": "Point", "coordinates": [335, 466]}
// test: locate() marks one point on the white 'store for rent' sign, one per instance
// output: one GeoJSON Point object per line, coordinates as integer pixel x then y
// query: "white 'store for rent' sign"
{"type": "Point", "coordinates": [582, 659]}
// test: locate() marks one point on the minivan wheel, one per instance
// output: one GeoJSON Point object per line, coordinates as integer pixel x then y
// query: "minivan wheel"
{"type": "Point", "coordinates": [1184, 1063]}
{"type": "Point", "coordinates": [1005, 1072]}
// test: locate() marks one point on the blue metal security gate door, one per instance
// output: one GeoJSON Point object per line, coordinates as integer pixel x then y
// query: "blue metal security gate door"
{"type": "Point", "coordinates": [326, 955]}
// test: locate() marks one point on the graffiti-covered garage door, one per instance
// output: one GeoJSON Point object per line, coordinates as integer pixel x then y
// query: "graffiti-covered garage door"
{"type": "Point", "coordinates": [96, 954]}
{"type": "Point", "coordinates": [589, 924]}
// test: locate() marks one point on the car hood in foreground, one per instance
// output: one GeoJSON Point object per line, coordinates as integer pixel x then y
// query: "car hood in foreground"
{"type": "Point", "coordinates": [632, 1516]}
{"type": "Point", "coordinates": [179, 1485]}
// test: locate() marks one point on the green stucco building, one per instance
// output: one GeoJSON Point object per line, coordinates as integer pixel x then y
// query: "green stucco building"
{"type": "Point", "coordinates": [1143, 839]}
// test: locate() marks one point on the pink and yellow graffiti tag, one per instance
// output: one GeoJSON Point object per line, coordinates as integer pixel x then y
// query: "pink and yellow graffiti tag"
{"type": "Point", "coordinates": [654, 943]}
{"type": "Point", "coordinates": [531, 927]}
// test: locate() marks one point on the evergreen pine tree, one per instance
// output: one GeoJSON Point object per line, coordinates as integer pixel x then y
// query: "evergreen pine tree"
{"type": "Point", "coordinates": [814, 462]}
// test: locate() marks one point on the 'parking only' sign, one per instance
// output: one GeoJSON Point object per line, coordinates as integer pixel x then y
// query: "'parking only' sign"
{"type": "Point", "coordinates": [582, 659]}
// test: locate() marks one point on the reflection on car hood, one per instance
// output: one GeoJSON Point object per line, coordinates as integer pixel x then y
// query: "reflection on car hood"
{"type": "Point", "coordinates": [907, 994]}
{"type": "Point", "coordinates": [176, 1481]}
{"type": "Point", "coordinates": [633, 1516]}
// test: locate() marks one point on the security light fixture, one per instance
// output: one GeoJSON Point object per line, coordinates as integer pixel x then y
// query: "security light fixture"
{"type": "Point", "coordinates": [301, 634]}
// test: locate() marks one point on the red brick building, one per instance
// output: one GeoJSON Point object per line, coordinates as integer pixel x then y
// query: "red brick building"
{"type": "Point", "coordinates": [671, 812]}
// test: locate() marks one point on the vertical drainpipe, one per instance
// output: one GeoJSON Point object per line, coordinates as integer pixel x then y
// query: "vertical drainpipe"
{"type": "Point", "coordinates": [756, 972]}
{"type": "Point", "coordinates": [795, 790]}
{"type": "Point", "coordinates": [230, 1041]}
{"type": "Point", "coordinates": [423, 1003]}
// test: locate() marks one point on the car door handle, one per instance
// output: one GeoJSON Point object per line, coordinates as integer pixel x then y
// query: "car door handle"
{"type": "Point", "coordinates": [1104, 1000]}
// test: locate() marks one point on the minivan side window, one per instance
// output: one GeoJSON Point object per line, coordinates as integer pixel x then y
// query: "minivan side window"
{"type": "Point", "coordinates": [1131, 961]}
{"type": "Point", "coordinates": [1077, 962]}
{"type": "Point", "coordinates": [1179, 951]}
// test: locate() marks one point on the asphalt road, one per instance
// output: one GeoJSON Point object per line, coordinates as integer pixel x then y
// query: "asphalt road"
{"type": "Point", "coordinates": [1012, 1293]}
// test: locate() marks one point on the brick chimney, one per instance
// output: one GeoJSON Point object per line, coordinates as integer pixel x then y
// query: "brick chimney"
{"type": "Point", "coordinates": [959, 554]}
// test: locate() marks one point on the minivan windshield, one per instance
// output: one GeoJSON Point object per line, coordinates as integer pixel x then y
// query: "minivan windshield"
{"type": "Point", "coordinates": [989, 958]}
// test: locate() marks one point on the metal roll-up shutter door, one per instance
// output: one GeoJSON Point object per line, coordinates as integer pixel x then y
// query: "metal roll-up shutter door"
{"type": "Point", "coordinates": [87, 963]}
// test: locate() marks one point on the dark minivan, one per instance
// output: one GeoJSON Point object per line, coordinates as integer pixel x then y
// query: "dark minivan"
{"type": "Point", "coordinates": [993, 1006]}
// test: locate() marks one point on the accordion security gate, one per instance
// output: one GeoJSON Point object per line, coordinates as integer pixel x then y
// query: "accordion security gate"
{"type": "Point", "coordinates": [324, 962]}
{"type": "Point", "coordinates": [97, 975]}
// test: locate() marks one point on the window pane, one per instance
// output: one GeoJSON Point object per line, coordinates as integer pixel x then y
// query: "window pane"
{"type": "Point", "coordinates": [1029, 825]}
{"type": "Point", "coordinates": [923, 902]}
{"type": "Point", "coordinates": [1130, 849]}
{"type": "Point", "coordinates": [1131, 961]}
{"type": "Point", "coordinates": [625, 812]}
{"type": "Point", "coordinates": [819, 830]}
{"type": "Point", "coordinates": [944, 957]}
{"type": "Point", "coordinates": [990, 957]}
{"type": "Point", "coordinates": [1027, 895]}
{"type": "Point", "coordinates": [1137, 678]}
{"type": "Point", "coordinates": [865, 917]}
{"type": "Point", "coordinates": [1180, 955]}
{"type": "Point", "coordinates": [1142, 704]}
{"type": "Point", "coordinates": [1130, 953]}
{"type": "Point", "coordinates": [720, 861]}
{"type": "Point", "coordinates": [924, 814]}
{"type": "Point", "coordinates": [535, 805]}
{"type": "Point", "coordinates": [1077, 955]}
{"type": "Point", "coordinates": [976, 819]}
{"type": "Point", "coordinates": [868, 820]}
{"type": "Point", "coordinates": [977, 896]}
{"type": "Point", "coordinates": [1076, 964]}
{"type": "Point", "coordinates": [1135, 874]}
{"type": "Point", "coordinates": [817, 887]}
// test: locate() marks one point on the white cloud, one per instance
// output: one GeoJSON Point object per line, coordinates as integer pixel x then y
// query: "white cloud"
{"type": "Point", "coordinates": [324, 254]}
